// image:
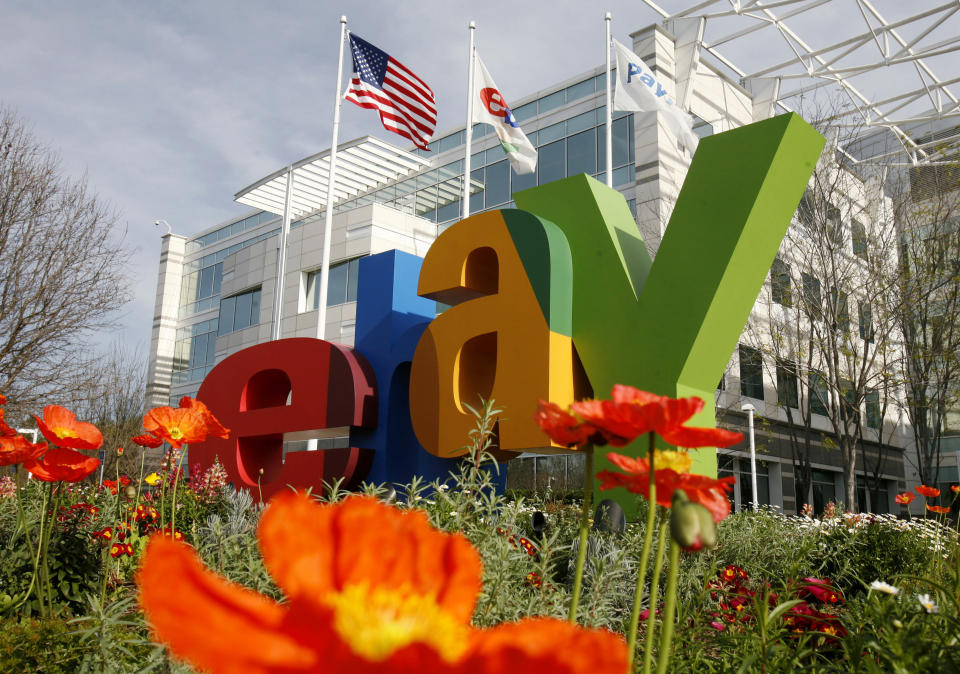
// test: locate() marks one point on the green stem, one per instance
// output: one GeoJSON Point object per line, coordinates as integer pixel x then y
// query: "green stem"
{"type": "Point", "coordinates": [669, 609]}
{"type": "Point", "coordinates": [119, 495]}
{"type": "Point", "coordinates": [36, 562]}
{"type": "Point", "coordinates": [654, 594]}
{"type": "Point", "coordinates": [644, 561]}
{"type": "Point", "coordinates": [21, 512]}
{"type": "Point", "coordinates": [45, 546]}
{"type": "Point", "coordinates": [104, 571]}
{"type": "Point", "coordinates": [584, 524]}
{"type": "Point", "coordinates": [173, 500]}
{"type": "Point", "coordinates": [143, 456]}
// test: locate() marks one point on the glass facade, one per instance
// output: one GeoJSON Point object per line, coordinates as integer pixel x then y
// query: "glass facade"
{"type": "Point", "coordinates": [239, 311]}
{"type": "Point", "coordinates": [200, 286]}
{"type": "Point", "coordinates": [341, 286]}
{"type": "Point", "coordinates": [193, 353]}
{"type": "Point", "coordinates": [222, 233]}
{"type": "Point", "coordinates": [566, 148]}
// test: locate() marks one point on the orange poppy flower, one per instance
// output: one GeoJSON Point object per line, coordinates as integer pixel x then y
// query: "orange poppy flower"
{"type": "Point", "coordinates": [18, 449]}
{"type": "Point", "coordinates": [147, 440]}
{"type": "Point", "coordinates": [632, 413]}
{"type": "Point", "coordinates": [929, 492]}
{"type": "Point", "coordinates": [176, 426]}
{"type": "Point", "coordinates": [940, 510]}
{"type": "Point", "coordinates": [906, 498]}
{"type": "Point", "coordinates": [629, 414]}
{"type": "Point", "coordinates": [707, 491]}
{"type": "Point", "coordinates": [214, 427]}
{"type": "Point", "coordinates": [369, 588]}
{"type": "Point", "coordinates": [955, 488]}
{"type": "Point", "coordinates": [60, 426]}
{"type": "Point", "coordinates": [62, 465]}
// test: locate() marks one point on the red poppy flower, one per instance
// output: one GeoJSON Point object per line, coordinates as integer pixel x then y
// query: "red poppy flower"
{"type": "Point", "coordinates": [929, 492]}
{"type": "Point", "coordinates": [60, 427]}
{"type": "Point", "coordinates": [62, 465]}
{"type": "Point", "coordinates": [906, 498]}
{"type": "Point", "coordinates": [955, 488]}
{"type": "Point", "coordinates": [940, 510]}
{"type": "Point", "coordinates": [18, 450]}
{"type": "Point", "coordinates": [368, 588]}
{"type": "Point", "coordinates": [707, 491]}
{"type": "Point", "coordinates": [176, 426]}
{"type": "Point", "coordinates": [561, 426]}
{"type": "Point", "coordinates": [147, 440]}
{"type": "Point", "coordinates": [214, 427]}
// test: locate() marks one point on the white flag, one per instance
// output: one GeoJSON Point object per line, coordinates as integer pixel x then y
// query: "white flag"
{"type": "Point", "coordinates": [490, 107]}
{"type": "Point", "coordinates": [639, 89]}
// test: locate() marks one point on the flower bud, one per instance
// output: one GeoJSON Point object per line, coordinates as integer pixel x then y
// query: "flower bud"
{"type": "Point", "coordinates": [691, 524]}
{"type": "Point", "coordinates": [130, 492]}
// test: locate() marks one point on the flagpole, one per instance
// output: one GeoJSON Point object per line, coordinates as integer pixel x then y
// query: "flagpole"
{"type": "Point", "coordinates": [282, 257]}
{"type": "Point", "coordinates": [609, 140]}
{"type": "Point", "coordinates": [466, 159]}
{"type": "Point", "coordinates": [328, 208]}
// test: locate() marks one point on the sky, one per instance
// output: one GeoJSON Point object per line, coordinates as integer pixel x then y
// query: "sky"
{"type": "Point", "coordinates": [171, 107]}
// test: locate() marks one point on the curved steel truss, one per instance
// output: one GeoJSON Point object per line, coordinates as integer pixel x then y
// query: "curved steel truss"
{"type": "Point", "coordinates": [897, 73]}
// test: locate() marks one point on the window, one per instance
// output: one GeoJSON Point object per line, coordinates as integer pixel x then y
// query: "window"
{"type": "Point", "coordinates": [552, 162]}
{"type": "Point", "coordinates": [239, 312]}
{"type": "Point", "coordinates": [824, 490]}
{"type": "Point", "coordinates": [819, 394]}
{"type": "Point", "coordinates": [873, 409]}
{"type": "Point", "coordinates": [780, 283]}
{"type": "Point", "coordinates": [582, 153]}
{"type": "Point", "coordinates": [498, 183]}
{"type": "Point", "coordinates": [751, 372]}
{"type": "Point", "coordinates": [840, 309]}
{"type": "Point", "coordinates": [746, 484]}
{"type": "Point", "coordinates": [811, 294]}
{"type": "Point", "coordinates": [341, 286]}
{"type": "Point", "coordinates": [858, 234]}
{"type": "Point", "coordinates": [787, 391]}
{"type": "Point", "coordinates": [865, 319]}
{"type": "Point", "coordinates": [879, 496]}
{"type": "Point", "coordinates": [805, 211]}
{"type": "Point", "coordinates": [834, 229]}
{"type": "Point", "coordinates": [194, 351]}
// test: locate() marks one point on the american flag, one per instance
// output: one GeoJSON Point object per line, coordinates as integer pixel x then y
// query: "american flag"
{"type": "Point", "coordinates": [380, 82]}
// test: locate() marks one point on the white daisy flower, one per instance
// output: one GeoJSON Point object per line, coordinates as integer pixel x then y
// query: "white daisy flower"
{"type": "Point", "coordinates": [927, 603]}
{"type": "Point", "coordinates": [880, 586]}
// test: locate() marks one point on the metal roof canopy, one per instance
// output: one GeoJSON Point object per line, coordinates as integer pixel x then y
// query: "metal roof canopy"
{"type": "Point", "coordinates": [852, 48]}
{"type": "Point", "coordinates": [362, 164]}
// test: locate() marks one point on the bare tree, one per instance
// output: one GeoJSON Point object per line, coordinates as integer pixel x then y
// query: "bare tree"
{"type": "Point", "coordinates": [845, 244]}
{"type": "Point", "coordinates": [826, 321]}
{"type": "Point", "coordinates": [928, 215]}
{"type": "Point", "coordinates": [114, 399]}
{"type": "Point", "coordinates": [62, 264]}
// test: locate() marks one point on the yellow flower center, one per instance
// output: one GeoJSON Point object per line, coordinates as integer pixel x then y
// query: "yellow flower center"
{"type": "Point", "coordinates": [64, 432]}
{"type": "Point", "coordinates": [175, 433]}
{"type": "Point", "coordinates": [378, 622]}
{"type": "Point", "coordinates": [676, 461]}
